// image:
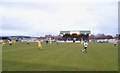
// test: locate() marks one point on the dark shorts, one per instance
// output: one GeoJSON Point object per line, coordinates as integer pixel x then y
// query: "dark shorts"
{"type": "Point", "coordinates": [115, 44]}
{"type": "Point", "coordinates": [85, 47]}
{"type": "Point", "coordinates": [46, 41]}
{"type": "Point", "coordinates": [74, 41]}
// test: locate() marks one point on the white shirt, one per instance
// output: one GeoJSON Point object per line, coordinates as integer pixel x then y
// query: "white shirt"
{"type": "Point", "coordinates": [85, 44]}
{"type": "Point", "coordinates": [115, 42]}
{"type": "Point", "coordinates": [10, 42]}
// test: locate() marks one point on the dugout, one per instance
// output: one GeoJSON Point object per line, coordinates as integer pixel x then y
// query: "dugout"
{"type": "Point", "coordinates": [77, 35]}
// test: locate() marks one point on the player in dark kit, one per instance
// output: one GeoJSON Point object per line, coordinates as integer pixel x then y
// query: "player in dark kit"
{"type": "Point", "coordinates": [47, 41]}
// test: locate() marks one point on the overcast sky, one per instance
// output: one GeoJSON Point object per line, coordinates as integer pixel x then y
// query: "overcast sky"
{"type": "Point", "coordinates": [41, 17]}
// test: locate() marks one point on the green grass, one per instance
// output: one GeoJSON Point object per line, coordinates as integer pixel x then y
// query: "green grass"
{"type": "Point", "coordinates": [62, 57]}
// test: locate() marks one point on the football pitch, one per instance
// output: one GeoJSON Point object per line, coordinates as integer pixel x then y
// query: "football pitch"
{"type": "Point", "coordinates": [62, 57]}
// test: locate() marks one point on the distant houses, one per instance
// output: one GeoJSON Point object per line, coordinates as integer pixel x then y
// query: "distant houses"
{"type": "Point", "coordinates": [92, 38]}
{"type": "Point", "coordinates": [19, 38]}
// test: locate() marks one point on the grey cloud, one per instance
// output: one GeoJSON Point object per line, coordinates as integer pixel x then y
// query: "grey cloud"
{"type": "Point", "coordinates": [106, 16]}
{"type": "Point", "coordinates": [14, 24]}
